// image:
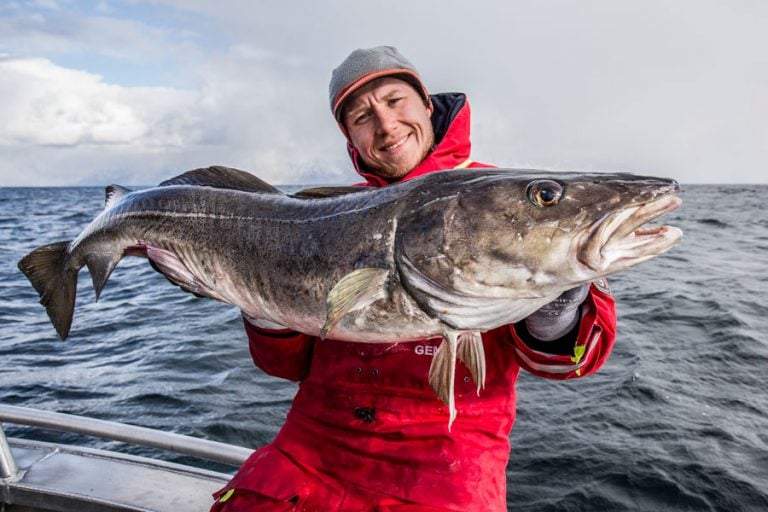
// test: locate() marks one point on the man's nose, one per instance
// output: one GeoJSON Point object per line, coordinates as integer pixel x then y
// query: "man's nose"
{"type": "Point", "coordinates": [385, 121]}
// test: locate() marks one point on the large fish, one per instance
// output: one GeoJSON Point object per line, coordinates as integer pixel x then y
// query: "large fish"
{"type": "Point", "coordinates": [449, 254]}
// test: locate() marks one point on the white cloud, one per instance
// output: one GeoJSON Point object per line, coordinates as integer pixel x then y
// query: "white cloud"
{"type": "Point", "coordinates": [59, 31]}
{"type": "Point", "coordinates": [45, 104]}
{"type": "Point", "coordinates": [673, 89]}
{"type": "Point", "coordinates": [80, 128]}
{"type": "Point", "coordinates": [47, 4]}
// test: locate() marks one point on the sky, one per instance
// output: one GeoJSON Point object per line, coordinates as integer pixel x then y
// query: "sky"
{"type": "Point", "coordinates": [136, 91]}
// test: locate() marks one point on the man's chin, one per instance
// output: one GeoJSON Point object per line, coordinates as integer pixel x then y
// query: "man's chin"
{"type": "Point", "coordinates": [395, 170]}
{"type": "Point", "coordinates": [392, 173]}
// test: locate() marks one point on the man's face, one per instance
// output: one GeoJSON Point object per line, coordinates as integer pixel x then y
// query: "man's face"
{"type": "Point", "coordinates": [390, 126]}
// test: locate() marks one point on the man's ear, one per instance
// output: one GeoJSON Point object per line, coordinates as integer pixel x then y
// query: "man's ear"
{"type": "Point", "coordinates": [428, 104]}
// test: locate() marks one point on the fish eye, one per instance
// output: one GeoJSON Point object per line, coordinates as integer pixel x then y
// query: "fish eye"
{"type": "Point", "coordinates": [544, 193]}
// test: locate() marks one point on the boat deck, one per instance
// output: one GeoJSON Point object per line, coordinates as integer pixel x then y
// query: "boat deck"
{"type": "Point", "coordinates": [38, 476]}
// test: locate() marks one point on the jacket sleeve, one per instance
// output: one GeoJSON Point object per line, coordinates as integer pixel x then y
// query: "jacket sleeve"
{"type": "Point", "coordinates": [566, 358]}
{"type": "Point", "coordinates": [280, 353]}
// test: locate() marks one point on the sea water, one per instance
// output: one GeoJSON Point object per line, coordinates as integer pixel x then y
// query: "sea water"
{"type": "Point", "coordinates": [677, 419]}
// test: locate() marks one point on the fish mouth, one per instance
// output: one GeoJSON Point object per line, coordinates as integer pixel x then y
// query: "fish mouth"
{"type": "Point", "coordinates": [621, 240]}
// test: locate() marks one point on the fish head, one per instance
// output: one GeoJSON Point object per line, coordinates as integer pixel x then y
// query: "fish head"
{"type": "Point", "coordinates": [529, 234]}
{"type": "Point", "coordinates": [578, 227]}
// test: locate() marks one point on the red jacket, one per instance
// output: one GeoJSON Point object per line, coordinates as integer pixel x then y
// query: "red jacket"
{"type": "Point", "coordinates": [365, 416]}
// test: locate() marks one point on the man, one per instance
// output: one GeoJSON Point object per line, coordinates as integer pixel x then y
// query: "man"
{"type": "Point", "coordinates": [366, 431]}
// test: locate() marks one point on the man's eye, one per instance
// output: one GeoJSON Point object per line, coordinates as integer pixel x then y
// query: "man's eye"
{"type": "Point", "coordinates": [362, 118]}
{"type": "Point", "coordinates": [393, 101]}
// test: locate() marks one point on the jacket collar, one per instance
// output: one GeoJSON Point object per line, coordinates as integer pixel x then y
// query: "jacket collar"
{"type": "Point", "coordinates": [450, 120]}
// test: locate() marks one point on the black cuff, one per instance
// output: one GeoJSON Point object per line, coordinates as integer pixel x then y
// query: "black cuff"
{"type": "Point", "coordinates": [562, 346]}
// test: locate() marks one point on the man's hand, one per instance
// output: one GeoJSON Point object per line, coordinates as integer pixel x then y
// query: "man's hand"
{"type": "Point", "coordinates": [262, 323]}
{"type": "Point", "coordinates": [558, 317]}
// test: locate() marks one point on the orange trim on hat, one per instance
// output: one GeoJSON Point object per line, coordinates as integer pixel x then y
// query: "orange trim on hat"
{"type": "Point", "coordinates": [351, 88]}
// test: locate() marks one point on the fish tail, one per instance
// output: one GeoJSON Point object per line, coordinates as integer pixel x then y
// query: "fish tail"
{"type": "Point", "coordinates": [45, 267]}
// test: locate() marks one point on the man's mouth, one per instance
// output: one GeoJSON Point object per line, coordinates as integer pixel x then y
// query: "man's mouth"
{"type": "Point", "coordinates": [394, 145]}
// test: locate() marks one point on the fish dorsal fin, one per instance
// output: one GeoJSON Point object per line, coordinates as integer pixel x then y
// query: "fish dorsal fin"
{"type": "Point", "coordinates": [222, 177]}
{"type": "Point", "coordinates": [321, 192]}
{"type": "Point", "coordinates": [114, 193]}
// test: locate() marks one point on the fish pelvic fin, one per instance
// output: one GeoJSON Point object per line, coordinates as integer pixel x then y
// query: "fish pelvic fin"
{"type": "Point", "coordinates": [442, 373]}
{"type": "Point", "coordinates": [45, 267]}
{"type": "Point", "coordinates": [219, 176]}
{"type": "Point", "coordinates": [114, 193]}
{"type": "Point", "coordinates": [356, 290]}
{"type": "Point", "coordinates": [470, 351]}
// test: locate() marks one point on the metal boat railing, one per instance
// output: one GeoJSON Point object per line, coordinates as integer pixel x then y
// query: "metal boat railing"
{"type": "Point", "coordinates": [178, 443]}
{"type": "Point", "coordinates": [8, 468]}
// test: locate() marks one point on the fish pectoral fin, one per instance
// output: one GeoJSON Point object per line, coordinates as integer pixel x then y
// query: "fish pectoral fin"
{"type": "Point", "coordinates": [356, 290]}
{"type": "Point", "coordinates": [219, 176]}
{"type": "Point", "coordinates": [470, 351]}
{"type": "Point", "coordinates": [442, 373]}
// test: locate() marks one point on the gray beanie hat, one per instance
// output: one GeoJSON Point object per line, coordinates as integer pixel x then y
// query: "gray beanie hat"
{"type": "Point", "coordinates": [366, 64]}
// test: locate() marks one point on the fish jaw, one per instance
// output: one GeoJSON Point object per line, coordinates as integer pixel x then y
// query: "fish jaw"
{"type": "Point", "coordinates": [619, 241]}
